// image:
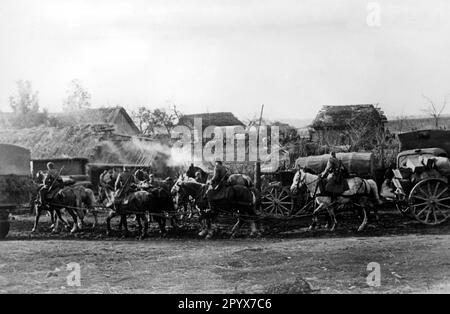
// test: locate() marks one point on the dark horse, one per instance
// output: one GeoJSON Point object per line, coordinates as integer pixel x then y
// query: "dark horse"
{"type": "Point", "coordinates": [193, 170]}
{"type": "Point", "coordinates": [237, 199]}
{"type": "Point", "coordinates": [157, 202]}
{"type": "Point", "coordinates": [70, 198]}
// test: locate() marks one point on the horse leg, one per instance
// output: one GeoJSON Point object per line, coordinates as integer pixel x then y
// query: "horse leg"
{"type": "Point", "coordinates": [59, 218]}
{"type": "Point", "coordinates": [144, 232]}
{"type": "Point", "coordinates": [332, 215]}
{"type": "Point", "coordinates": [111, 215]}
{"type": "Point", "coordinates": [234, 229]}
{"type": "Point", "coordinates": [314, 217]}
{"type": "Point", "coordinates": [123, 221]}
{"type": "Point", "coordinates": [364, 222]}
{"type": "Point", "coordinates": [138, 220]}
{"type": "Point", "coordinates": [36, 220]}
{"type": "Point", "coordinates": [74, 216]}
{"type": "Point", "coordinates": [210, 227]}
{"type": "Point", "coordinates": [204, 221]}
{"type": "Point", "coordinates": [162, 225]}
{"type": "Point", "coordinates": [95, 214]}
{"type": "Point", "coordinates": [53, 218]}
{"type": "Point", "coordinates": [253, 229]}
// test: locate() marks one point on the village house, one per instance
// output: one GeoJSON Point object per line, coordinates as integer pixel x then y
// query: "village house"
{"type": "Point", "coordinates": [86, 133]}
{"type": "Point", "coordinates": [348, 124]}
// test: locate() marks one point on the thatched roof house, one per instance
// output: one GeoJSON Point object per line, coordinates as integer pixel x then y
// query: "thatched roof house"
{"type": "Point", "coordinates": [115, 116]}
{"type": "Point", "coordinates": [339, 117]}
{"type": "Point", "coordinates": [84, 141]}
{"type": "Point", "coordinates": [355, 126]}
{"type": "Point", "coordinates": [220, 119]}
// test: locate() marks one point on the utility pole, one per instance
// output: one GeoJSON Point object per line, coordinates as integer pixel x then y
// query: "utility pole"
{"type": "Point", "coordinates": [258, 161]}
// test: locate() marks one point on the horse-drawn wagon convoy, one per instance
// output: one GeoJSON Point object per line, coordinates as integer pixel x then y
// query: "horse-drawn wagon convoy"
{"type": "Point", "coordinates": [417, 186]}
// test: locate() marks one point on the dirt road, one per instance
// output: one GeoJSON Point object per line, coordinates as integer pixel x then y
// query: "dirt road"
{"type": "Point", "coordinates": [412, 259]}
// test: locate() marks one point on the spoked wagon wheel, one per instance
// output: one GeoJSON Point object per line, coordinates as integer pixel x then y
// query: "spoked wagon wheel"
{"type": "Point", "coordinates": [429, 201]}
{"type": "Point", "coordinates": [277, 200]}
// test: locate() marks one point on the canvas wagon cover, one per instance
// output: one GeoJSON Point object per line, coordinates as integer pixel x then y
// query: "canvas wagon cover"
{"type": "Point", "coordinates": [360, 164]}
{"type": "Point", "coordinates": [425, 139]}
{"type": "Point", "coordinates": [14, 160]}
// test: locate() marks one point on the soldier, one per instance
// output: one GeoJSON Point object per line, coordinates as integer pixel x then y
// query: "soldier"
{"type": "Point", "coordinates": [334, 172]}
{"type": "Point", "coordinates": [333, 165]}
{"type": "Point", "coordinates": [220, 174]}
{"type": "Point", "coordinates": [52, 182]}
{"type": "Point", "coordinates": [124, 183]}
{"type": "Point", "coordinates": [198, 176]}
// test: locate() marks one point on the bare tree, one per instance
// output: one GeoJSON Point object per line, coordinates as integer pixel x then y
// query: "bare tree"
{"type": "Point", "coordinates": [148, 121]}
{"type": "Point", "coordinates": [25, 106]}
{"type": "Point", "coordinates": [433, 110]}
{"type": "Point", "coordinates": [77, 97]}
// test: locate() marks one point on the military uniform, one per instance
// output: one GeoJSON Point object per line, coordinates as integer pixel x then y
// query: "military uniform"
{"type": "Point", "coordinates": [52, 183]}
{"type": "Point", "coordinates": [123, 184]}
{"type": "Point", "coordinates": [334, 173]}
{"type": "Point", "coordinates": [219, 176]}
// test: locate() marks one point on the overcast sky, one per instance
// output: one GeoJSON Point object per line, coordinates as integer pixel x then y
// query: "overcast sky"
{"type": "Point", "coordinates": [229, 55]}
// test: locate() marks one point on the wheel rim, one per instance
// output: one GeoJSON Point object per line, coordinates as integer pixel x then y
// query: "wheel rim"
{"type": "Point", "coordinates": [429, 201]}
{"type": "Point", "coordinates": [277, 201]}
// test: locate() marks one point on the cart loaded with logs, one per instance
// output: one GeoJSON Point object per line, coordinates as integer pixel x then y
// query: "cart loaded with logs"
{"type": "Point", "coordinates": [276, 198]}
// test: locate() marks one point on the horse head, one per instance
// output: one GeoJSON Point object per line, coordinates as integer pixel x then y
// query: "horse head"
{"type": "Point", "coordinates": [299, 181]}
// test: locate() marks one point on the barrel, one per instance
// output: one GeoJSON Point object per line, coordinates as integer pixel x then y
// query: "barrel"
{"type": "Point", "coordinates": [357, 164]}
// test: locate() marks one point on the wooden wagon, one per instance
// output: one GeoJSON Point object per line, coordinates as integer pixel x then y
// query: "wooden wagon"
{"type": "Point", "coordinates": [276, 198]}
{"type": "Point", "coordinates": [15, 182]}
{"type": "Point", "coordinates": [422, 176]}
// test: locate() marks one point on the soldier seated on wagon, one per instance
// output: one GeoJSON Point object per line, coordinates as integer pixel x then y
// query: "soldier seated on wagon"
{"type": "Point", "coordinates": [218, 181]}
{"type": "Point", "coordinates": [335, 175]}
{"type": "Point", "coordinates": [124, 185]}
{"type": "Point", "coordinates": [52, 183]}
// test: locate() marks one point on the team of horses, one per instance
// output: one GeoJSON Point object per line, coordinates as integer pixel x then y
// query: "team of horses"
{"type": "Point", "coordinates": [168, 199]}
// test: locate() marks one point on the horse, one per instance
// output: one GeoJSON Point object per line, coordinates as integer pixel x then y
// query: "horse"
{"type": "Point", "coordinates": [157, 202]}
{"type": "Point", "coordinates": [193, 170]}
{"type": "Point", "coordinates": [240, 179]}
{"type": "Point", "coordinates": [360, 193]}
{"type": "Point", "coordinates": [72, 199]}
{"type": "Point", "coordinates": [186, 203]}
{"type": "Point", "coordinates": [238, 198]}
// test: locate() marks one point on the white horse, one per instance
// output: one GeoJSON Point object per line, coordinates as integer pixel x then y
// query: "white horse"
{"type": "Point", "coordinates": [360, 193]}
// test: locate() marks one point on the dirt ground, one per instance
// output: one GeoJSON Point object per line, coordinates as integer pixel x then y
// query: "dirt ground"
{"type": "Point", "coordinates": [412, 259]}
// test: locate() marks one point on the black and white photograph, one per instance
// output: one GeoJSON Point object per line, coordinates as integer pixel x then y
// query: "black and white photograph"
{"type": "Point", "coordinates": [224, 153]}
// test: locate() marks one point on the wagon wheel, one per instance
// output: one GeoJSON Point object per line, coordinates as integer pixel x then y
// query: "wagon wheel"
{"type": "Point", "coordinates": [429, 201]}
{"type": "Point", "coordinates": [277, 200]}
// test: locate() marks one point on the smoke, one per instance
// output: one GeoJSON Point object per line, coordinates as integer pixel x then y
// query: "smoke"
{"type": "Point", "coordinates": [161, 157]}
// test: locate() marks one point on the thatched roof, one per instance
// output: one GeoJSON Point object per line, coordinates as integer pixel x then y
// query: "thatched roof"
{"type": "Point", "coordinates": [208, 119]}
{"type": "Point", "coordinates": [52, 142]}
{"type": "Point", "coordinates": [106, 115]}
{"type": "Point", "coordinates": [81, 141]}
{"type": "Point", "coordinates": [338, 117]}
